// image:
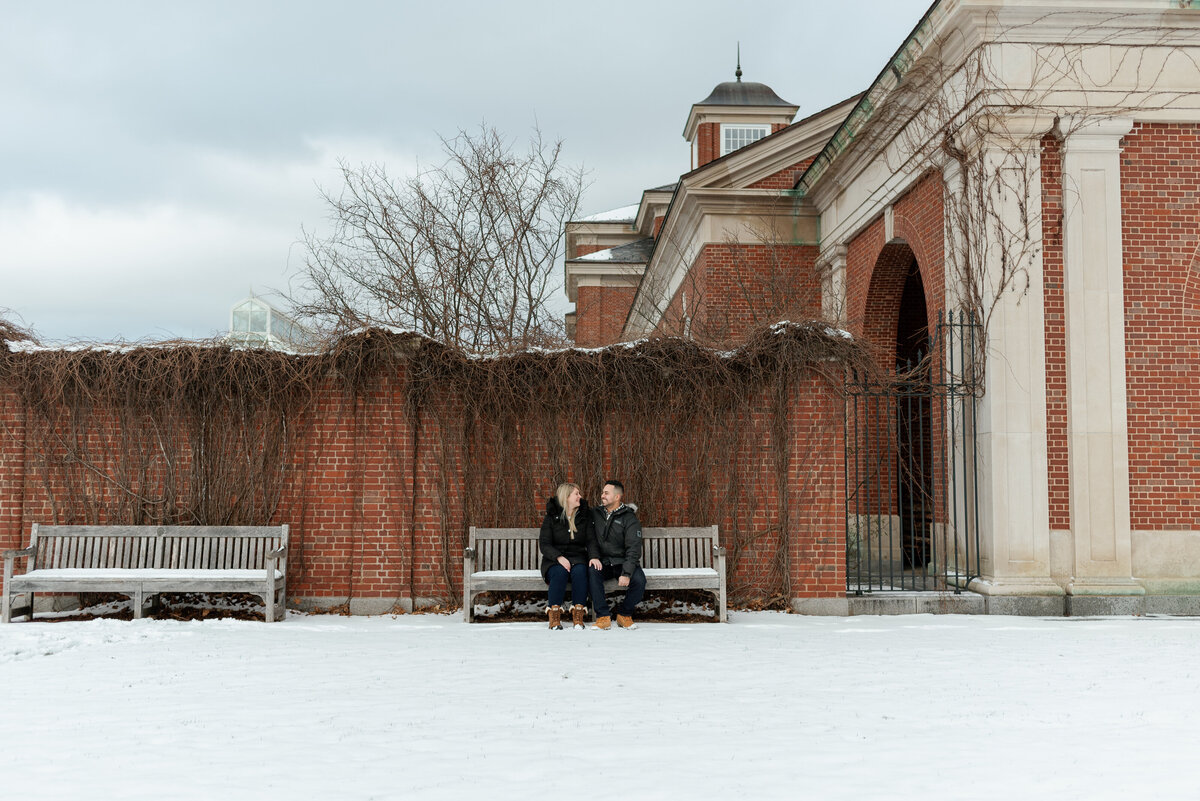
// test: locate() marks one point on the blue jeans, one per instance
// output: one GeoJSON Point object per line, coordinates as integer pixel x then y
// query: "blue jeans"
{"type": "Point", "coordinates": [633, 593]}
{"type": "Point", "coordinates": [558, 584]}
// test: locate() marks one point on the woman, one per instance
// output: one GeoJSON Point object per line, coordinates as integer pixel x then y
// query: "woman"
{"type": "Point", "coordinates": [566, 531]}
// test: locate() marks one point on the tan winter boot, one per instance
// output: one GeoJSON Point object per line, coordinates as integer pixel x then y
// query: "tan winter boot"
{"type": "Point", "coordinates": [555, 613]}
{"type": "Point", "coordinates": [603, 623]}
{"type": "Point", "coordinates": [626, 622]}
{"type": "Point", "coordinates": [577, 613]}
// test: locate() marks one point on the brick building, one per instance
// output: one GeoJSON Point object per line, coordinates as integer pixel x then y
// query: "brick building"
{"type": "Point", "coordinates": [1032, 165]}
{"type": "Point", "coordinates": [1008, 219]}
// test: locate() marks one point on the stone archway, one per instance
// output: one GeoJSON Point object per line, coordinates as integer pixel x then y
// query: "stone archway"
{"type": "Point", "coordinates": [896, 323]}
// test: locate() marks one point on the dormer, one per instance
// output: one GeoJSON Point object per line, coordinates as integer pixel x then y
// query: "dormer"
{"type": "Point", "coordinates": [735, 114]}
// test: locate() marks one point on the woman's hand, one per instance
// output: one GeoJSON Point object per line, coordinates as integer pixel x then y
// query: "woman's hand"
{"type": "Point", "coordinates": [565, 562]}
{"type": "Point", "coordinates": [595, 564]}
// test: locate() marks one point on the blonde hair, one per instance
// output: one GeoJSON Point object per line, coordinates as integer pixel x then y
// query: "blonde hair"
{"type": "Point", "coordinates": [564, 492]}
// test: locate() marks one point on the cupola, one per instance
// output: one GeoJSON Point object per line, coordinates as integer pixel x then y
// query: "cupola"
{"type": "Point", "coordinates": [735, 114]}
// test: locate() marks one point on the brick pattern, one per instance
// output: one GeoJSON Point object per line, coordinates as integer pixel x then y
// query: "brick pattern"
{"type": "Point", "coordinates": [708, 142]}
{"type": "Point", "coordinates": [785, 178]}
{"type": "Point", "coordinates": [732, 288]}
{"type": "Point", "coordinates": [377, 505]}
{"type": "Point", "coordinates": [12, 471]}
{"type": "Point", "coordinates": [876, 270]}
{"type": "Point", "coordinates": [1160, 196]}
{"type": "Point", "coordinates": [816, 489]}
{"type": "Point", "coordinates": [600, 313]}
{"type": "Point", "coordinates": [1058, 477]}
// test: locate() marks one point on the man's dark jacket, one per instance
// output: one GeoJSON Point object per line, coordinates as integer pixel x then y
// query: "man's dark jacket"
{"type": "Point", "coordinates": [557, 540]}
{"type": "Point", "coordinates": [618, 538]}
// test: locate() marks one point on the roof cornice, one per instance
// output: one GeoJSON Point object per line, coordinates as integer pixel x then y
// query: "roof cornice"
{"type": "Point", "coordinates": [769, 155]}
{"type": "Point", "coordinates": [747, 114]}
{"type": "Point", "coordinates": [694, 210]}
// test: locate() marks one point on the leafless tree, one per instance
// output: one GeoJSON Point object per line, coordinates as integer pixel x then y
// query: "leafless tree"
{"type": "Point", "coordinates": [464, 252]}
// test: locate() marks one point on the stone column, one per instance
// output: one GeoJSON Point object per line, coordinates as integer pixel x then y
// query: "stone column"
{"type": "Point", "coordinates": [832, 266]}
{"type": "Point", "coordinates": [1097, 430]}
{"type": "Point", "coordinates": [1013, 484]}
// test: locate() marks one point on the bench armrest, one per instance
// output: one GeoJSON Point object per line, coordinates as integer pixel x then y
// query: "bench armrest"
{"type": "Point", "coordinates": [18, 554]}
{"type": "Point", "coordinates": [278, 553]}
{"type": "Point", "coordinates": [718, 552]}
{"type": "Point", "coordinates": [469, 554]}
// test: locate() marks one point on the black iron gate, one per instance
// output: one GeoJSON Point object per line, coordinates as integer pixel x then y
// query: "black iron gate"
{"type": "Point", "coordinates": [912, 514]}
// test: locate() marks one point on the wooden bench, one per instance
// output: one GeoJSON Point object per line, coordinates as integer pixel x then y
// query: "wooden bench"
{"type": "Point", "coordinates": [142, 561]}
{"type": "Point", "coordinates": [508, 559]}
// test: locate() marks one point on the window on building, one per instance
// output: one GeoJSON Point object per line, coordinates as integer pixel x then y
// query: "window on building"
{"type": "Point", "coordinates": [734, 137]}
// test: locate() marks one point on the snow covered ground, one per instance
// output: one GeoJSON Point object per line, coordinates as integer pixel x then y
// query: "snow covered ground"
{"type": "Point", "coordinates": [770, 706]}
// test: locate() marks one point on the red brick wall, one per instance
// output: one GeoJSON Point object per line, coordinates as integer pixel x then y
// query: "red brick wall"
{"type": "Point", "coordinates": [816, 482]}
{"type": "Point", "coordinates": [708, 142]}
{"type": "Point", "coordinates": [12, 471]}
{"type": "Point", "coordinates": [1160, 196]}
{"type": "Point", "coordinates": [1056, 336]}
{"type": "Point", "coordinates": [583, 250]}
{"type": "Point", "coordinates": [784, 179]}
{"type": "Point", "coordinates": [731, 289]}
{"type": "Point", "coordinates": [377, 508]}
{"type": "Point", "coordinates": [600, 313]}
{"type": "Point", "coordinates": [875, 269]}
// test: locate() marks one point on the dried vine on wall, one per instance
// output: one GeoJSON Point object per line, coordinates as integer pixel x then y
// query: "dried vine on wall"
{"type": "Point", "coordinates": [203, 434]}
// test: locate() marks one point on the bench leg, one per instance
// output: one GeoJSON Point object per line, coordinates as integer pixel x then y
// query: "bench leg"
{"type": "Point", "coordinates": [6, 615]}
{"type": "Point", "coordinates": [138, 599]}
{"type": "Point", "coordinates": [269, 601]}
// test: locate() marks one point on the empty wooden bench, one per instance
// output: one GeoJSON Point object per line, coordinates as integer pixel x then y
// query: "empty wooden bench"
{"type": "Point", "coordinates": [508, 560]}
{"type": "Point", "coordinates": [142, 561]}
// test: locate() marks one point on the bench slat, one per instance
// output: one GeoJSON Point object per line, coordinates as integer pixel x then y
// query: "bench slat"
{"type": "Point", "coordinates": [92, 550]}
{"type": "Point", "coordinates": [678, 557]}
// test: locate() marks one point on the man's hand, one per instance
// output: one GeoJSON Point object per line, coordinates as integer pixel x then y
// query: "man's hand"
{"type": "Point", "coordinates": [623, 581]}
{"type": "Point", "coordinates": [565, 562]}
{"type": "Point", "coordinates": [595, 564]}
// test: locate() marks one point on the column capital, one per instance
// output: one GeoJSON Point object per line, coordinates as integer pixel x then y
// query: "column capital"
{"type": "Point", "coordinates": [833, 256]}
{"type": "Point", "coordinates": [1093, 134]}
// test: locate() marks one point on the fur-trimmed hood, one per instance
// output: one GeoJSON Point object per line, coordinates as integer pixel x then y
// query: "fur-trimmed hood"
{"type": "Point", "coordinates": [554, 508]}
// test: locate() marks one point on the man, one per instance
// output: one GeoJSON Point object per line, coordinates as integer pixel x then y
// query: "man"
{"type": "Point", "coordinates": [616, 552]}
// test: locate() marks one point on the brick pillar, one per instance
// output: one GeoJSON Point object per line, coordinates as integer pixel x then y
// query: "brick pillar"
{"type": "Point", "coordinates": [12, 470]}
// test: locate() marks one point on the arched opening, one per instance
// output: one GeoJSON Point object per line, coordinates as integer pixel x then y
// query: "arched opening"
{"type": "Point", "coordinates": [891, 441]}
{"type": "Point", "coordinates": [914, 423]}
{"type": "Point", "coordinates": [912, 324]}
{"type": "Point", "coordinates": [912, 511]}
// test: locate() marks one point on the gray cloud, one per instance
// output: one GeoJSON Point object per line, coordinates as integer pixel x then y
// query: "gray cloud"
{"type": "Point", "coordinates": [161, 157]}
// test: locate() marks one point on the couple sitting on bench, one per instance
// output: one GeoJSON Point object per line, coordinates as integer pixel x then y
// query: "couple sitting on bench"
{"type": "Point", "coordinates": [586, 546]}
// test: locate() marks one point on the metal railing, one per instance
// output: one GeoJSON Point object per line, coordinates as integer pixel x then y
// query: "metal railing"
{"type": "Point", "coordinates": [911, 467]}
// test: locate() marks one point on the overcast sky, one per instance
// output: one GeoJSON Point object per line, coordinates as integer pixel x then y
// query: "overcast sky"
{"type": "Point", "coordinates": [158, 159]}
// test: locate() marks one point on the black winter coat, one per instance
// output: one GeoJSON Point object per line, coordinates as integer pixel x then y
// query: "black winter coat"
{"type": "Point", "coordinates": [618, 537]}
{"type": "Point", "coordinates": [556, 539]}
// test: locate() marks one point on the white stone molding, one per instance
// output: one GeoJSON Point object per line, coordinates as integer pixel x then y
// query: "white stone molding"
{"type": "Point", "coordinates": [1097, 406]}
{"type": "Point", "coordinates": [832, 268]}
{"type": "Point", "coordinates": [1011, 416]}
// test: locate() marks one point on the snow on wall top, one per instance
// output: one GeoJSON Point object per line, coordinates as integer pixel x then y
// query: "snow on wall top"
{"type": "Point", "coordinates": [623, 214]}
